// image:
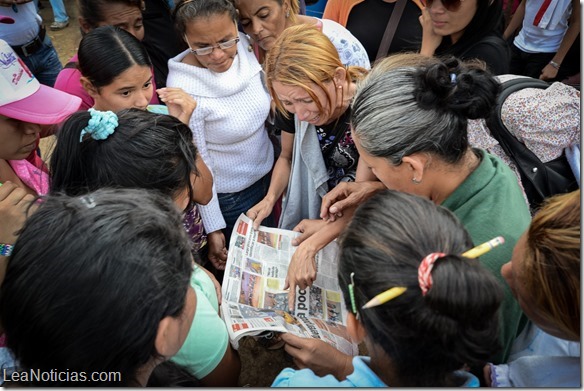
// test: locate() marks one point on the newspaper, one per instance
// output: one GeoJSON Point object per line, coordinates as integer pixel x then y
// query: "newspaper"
{"type": "Point", "coordinates": [255, 303]}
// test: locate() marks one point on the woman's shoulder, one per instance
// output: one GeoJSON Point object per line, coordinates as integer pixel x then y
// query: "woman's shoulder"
{"type": "Point", "coordinates": [493, 50]}
{"type": "Point", "coordinates": [538, 371]}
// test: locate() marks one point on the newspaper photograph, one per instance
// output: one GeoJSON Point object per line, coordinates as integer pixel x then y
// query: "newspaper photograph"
{"type": "Point", "coordinates": [255, 302]}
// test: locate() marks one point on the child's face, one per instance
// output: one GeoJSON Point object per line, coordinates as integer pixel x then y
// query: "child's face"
{"type": "Point", "coordinates": [131, 89]}
{"type": "Point", "coordinates": [17, 138]}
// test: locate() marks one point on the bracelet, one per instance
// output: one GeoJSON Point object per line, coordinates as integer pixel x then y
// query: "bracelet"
{"type": "Point", "coordinates": [6, 249]}
{"type": "Point", "coordinates": [555, 64]}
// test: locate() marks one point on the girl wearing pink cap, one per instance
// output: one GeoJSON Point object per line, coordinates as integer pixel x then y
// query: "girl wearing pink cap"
{"type": "Point", "coordinates": [25, 107]}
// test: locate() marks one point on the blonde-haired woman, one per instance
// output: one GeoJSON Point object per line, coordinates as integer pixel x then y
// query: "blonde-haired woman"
{"type": "Point", "coordinates": [306, 78]}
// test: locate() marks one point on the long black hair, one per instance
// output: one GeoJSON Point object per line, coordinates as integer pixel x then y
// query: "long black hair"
{"type": "Point", "coordinates": [487, 20]}
{"type": "Point", "coordinates": [427, 338]}
{"type": "Point", "coordinates": [147, 151]}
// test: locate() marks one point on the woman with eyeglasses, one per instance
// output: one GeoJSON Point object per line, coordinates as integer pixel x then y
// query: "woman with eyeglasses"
{"type": "Point", "coordinates": [229, 124]}
{"type": "Point", "coordinates": [467, 29]}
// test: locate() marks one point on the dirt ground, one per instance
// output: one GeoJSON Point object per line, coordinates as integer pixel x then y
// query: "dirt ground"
{"type": "Point", "coordinates": [259, 365]}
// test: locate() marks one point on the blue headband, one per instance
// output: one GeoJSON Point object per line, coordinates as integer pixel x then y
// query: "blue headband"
{"type": "Point", "coordinates": [101, 125]}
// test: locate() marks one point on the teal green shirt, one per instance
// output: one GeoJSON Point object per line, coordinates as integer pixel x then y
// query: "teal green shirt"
{"type": "Point", "coordinates": [207, 339]}
{"type": "Point", "coordinates": [490, 203]}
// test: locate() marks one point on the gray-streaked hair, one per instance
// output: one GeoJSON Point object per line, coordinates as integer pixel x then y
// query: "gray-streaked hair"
{"type": "Point", "coordinates": [425, 108]}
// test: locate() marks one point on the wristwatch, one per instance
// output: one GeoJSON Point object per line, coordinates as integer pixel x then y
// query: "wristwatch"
{"type": "Point", "coordinates": [555, 64]}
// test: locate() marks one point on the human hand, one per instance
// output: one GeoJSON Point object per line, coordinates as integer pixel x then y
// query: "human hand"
{"type": "Point", "coordinates": [14, 202]}
{"type": "Point", "coordinates": [430, 40]}
{"type": "Point", "coordinates": [301, 271]}
{"type": "Point", "coordinates": [319, 356]}
{"type": "Point", "coordinates": [307, 227]}
{"type": "Point", "coordinates": [180, 104]}
{"type": "Point", "coordinates": [345, 195]}
{"type": "Point", "coordinates": [548, 72]}
{"type": "Point", "coordinates": [217, 250]}
{"type": "Point", "coordinates": [260, 211]}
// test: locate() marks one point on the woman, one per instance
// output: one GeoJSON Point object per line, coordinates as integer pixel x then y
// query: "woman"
{"type": "Point", "coordinates": [116, 73]}
{"type": "Point", "coordinates": [138, 149]}
{"type": "Point", "coordinates": [265, 20]}
{"type": "Point", "coordinates": [79, 267]}
{"type": "Point", "coordinates": [367, 20]}
{"type": "Point", "coordinates": [427, 153]}
{"type": "Point", "coordinates": [424, 336]}
{"type": "Point", "coordinates": [126, 14]}
{"type": "Point", "coordinates": [229, 125]}
{"type": "Point", "coordinates": [467, 29]}
{"type": "Point", "coordinates": [306, 78]}
{"type": "Point", "coordinates": [544, 275]}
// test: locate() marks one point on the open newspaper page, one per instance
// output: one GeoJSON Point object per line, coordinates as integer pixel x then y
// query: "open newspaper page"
{"type": "Point", "coordinates": [254, 301]}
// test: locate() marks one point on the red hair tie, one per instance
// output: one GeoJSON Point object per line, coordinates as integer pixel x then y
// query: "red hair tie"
{"type": "Point", "coordinates": [425, 270]}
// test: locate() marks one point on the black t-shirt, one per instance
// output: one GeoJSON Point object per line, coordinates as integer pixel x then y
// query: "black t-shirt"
{"type": "Point", "coordinates": [338, 148]}
{"type": "Point", "coordinates": [491, 48]}
{"type": "Point", "coordinates": [368, 20]}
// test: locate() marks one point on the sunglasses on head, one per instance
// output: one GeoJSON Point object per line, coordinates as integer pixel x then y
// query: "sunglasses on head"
{"type": "Point", "coordinates": [450, 5]}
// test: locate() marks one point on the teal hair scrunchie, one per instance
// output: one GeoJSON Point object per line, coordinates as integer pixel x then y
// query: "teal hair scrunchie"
{"type": "Point", "coordinates": [101, 125]}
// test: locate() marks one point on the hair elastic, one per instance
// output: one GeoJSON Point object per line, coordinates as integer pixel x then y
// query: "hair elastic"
{"type": "Point", "coordinates": [101, 125]}
{"type": "Point", "coordinates": [88, 201]}
{"type": "Point", "coordinates": [425, 271]}
{"type": "Point", "coordinates": [352, 294]}
{"type": "Point", "coordinates": [453, 78]}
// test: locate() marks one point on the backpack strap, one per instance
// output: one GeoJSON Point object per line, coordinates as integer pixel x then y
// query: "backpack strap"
{"type": "Point", "coordinates": [398, 10]}
{"type": "Point", "coordinates": [529, 165]}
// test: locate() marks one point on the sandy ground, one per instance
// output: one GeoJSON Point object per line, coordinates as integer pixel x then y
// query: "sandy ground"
{"type": "Point", "coordinates": [259, 366]}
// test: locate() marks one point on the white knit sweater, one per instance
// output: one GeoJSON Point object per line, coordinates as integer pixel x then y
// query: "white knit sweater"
{"type": "Point", "coordinates": [228, 124]}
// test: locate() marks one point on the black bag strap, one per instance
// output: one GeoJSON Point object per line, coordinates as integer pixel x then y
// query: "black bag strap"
{"type": "Point", "coordinates": [396, 14]}
{"type": "Point", "coordinates": [529, 165]}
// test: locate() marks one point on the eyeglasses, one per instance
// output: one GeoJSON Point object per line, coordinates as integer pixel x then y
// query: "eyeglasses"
{"type": "Point", "coordinates": [209, 49]}
{"type": "Point", "coordinates": [450, 5]}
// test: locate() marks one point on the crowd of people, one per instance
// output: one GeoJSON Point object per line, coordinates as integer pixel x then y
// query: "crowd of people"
{"type": "Point", "coordinates": [175, 117]}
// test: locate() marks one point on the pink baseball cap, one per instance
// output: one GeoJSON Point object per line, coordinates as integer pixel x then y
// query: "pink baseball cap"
{"type": "Point", "coordinates": [22, 97]}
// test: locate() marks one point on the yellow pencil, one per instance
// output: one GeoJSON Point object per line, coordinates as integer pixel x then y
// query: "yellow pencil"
{"type": "Point", "coordinates": [475, 252]}
{"type": "Point", "coordinates": [484, 248]}
{"type": "Point", "coordinates": [384, 297]}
